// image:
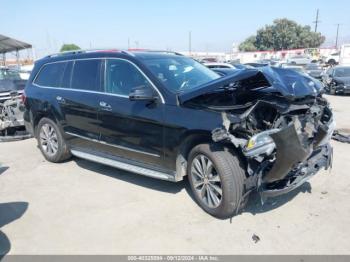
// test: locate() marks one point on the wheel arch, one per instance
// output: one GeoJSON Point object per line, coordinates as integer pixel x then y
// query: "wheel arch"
{"type": "Point", "coordinates": [45, 113]}
{"type": "Point", "coordinates": [188, 143]}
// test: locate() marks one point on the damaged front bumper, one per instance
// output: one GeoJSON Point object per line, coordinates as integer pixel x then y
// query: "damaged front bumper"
{"type": "Point", "coordinates": [295, 161]}
{"type": "Point", "coordinates": [320, 158]}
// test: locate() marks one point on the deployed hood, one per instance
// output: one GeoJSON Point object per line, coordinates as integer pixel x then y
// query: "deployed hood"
{"type": "Point", "coordinates": [288, 83]}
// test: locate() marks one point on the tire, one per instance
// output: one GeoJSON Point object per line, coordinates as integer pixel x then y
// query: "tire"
{"type": "Point", "coordinates": [59, 149]}
{"type": "Point", "coordinates": [227, 167]}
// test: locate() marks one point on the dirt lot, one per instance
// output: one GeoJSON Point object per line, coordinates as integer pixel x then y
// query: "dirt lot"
{"type": "Point", "coordinates": [80, 207]}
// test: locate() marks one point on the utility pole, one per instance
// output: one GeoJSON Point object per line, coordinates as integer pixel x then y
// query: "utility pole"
{"type": "Point", "coordinates": [316, 21]}
{"type": "Point", "coordinates": [336, 38]}
{"type": "Point", "coordinates": [190, 43]}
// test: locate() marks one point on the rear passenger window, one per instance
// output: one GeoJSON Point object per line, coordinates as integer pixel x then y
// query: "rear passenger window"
{"type": "Point", "coordinates": [87, 75]}
{"type": "Point", "coordinates": [51, 75]}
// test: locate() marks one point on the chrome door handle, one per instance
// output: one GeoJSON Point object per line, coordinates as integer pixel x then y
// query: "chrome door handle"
{"type": "Point", "coordinates": [105, 106]}
{"type": "Point", "coordinates": [60, 99]}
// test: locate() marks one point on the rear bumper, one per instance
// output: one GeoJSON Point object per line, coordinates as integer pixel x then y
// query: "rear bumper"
{"type": "Point", "coordinates": [28, 122]}
{"type": "Point", "coordinates": [321, 158]}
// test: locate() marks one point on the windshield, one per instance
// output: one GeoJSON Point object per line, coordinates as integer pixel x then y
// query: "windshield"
{"type": "Point", "coordinates": [9, 75]}
{"type": "Point", "coordinates": [180, 74]}
{"type": "Point", "coordinates": [342, 72]}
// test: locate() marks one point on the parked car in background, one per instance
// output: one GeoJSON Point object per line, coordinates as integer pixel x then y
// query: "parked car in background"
{"type": "Point", "coordinates": [164, 115]}
{"type": "Point", "coordinates": [10, 82]}
{"type": "Point", "coordinates": [299, 60]}
{"type": "Point", "coordinates": [332, 59]}
{"type": "Point", "coordinates": [344, 58]}
{"type": "Point", "coordinates": [212, 65]}
{"type": "Point", "coordinates": [293, 67]}
{"type": "Point", "coordinates": [224, 71]}
{"type": "Point", "coordinates": [314, 70]}
{"type": "Point", "coordinates": [209, 60]}
{"type": "Point", "coordinates": [337, 80]}
{"type": "Point", "coordinates": [25, 71]}
{"type": "Point", "coordinates": [256, 64]}
{"type": "Point", "coordinates": [11, 106]}
{"type": "Point", "coordinates": [241, 66]}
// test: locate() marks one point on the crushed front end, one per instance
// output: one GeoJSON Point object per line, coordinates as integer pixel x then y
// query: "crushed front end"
{"type": "Point", "coordinates": [284, 143]}
{"type": "Point", "coordinates": [291, 148]}
{"type": "Point", "coordinates": [280, 123]}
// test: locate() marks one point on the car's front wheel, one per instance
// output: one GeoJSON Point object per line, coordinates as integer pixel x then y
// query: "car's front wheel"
{"type": "Point", "coordinates": [51, 142]}
{"type": "Point", "coordinates": [217, 180]}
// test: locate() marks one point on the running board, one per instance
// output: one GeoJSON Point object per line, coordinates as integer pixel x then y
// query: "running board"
{"type": "Point", "coordinates": [124, 166]}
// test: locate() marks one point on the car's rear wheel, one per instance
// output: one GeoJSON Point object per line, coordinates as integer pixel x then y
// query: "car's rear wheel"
{"type": "Point", "coordinates": [217, 180]}
{"type": "Point", "coordinates": [51, 142]}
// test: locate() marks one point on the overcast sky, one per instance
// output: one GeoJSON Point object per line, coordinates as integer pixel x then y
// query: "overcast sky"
{"type": "Point", "coordinates": [160, 24]}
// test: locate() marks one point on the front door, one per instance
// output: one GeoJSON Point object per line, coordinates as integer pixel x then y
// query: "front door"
{"type": "Point", "coordinates": [130, 129]}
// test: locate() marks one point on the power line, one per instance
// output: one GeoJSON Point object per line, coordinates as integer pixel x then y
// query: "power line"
{"type": "Point", "coordinates": [317, 20]}
{"type": "Point", "coordinates": [336, 38]}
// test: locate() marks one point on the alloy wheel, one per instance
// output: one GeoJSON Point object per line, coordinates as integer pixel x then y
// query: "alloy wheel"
{"type": "Point", "coordinates": [206, 181]}
{"type": "Point", "coordinates": [48, 139]}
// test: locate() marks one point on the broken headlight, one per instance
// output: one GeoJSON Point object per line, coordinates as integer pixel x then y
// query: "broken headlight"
{"type": "Point", "coordinates": [261, 143]}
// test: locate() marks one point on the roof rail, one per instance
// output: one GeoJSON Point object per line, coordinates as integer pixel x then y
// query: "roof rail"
{"type": "Point", "coordinates": [72, 52]}
{"type": "Point", "coordinates": [128, 52]}
{"type": "Point", "coordinates": [165, 51]}
{"type": "Point", "coordinates": [80, 51]}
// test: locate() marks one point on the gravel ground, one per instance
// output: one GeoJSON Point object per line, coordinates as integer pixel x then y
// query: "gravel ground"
{"type": "Point", "coordinates": [79, 207]}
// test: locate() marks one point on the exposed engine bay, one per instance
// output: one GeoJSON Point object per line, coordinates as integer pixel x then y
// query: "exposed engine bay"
{"type": "Point", "coordinates": [280, 123]}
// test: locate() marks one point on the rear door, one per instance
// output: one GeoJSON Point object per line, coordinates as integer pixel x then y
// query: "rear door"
{"type": "Point", "coordinates": [130, 129]}
{"type": "Point", "coordinates": [79, 101]}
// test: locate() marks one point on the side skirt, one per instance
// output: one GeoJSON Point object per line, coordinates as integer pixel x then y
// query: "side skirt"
{"type": "Point", "coordinates": [125, 164]}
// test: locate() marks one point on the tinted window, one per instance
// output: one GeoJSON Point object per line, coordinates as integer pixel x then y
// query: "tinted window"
{"type": "Point", "coordinates": [122, 77]}
{"type": "Point", "coordinates": [86, 75]}
{"type": "Point", "coordinates": [67, 74]}
{"type": "Point", "coordinates": [51, 74]}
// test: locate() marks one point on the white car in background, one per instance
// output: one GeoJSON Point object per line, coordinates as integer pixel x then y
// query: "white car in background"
{"type": "Point", "coordinates": [332, 59]}
{"type": "Point", "coordinates": [299, 60]}
{"type": "Point", "coordinates": [25, 71]}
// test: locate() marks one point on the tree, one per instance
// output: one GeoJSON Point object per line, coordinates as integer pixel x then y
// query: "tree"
{"type": "Point", "coordinates": [282, 34]}
{"type": "Point", "coordinates": [248, 44]}
{"type": "Point", "coordinates": [69, 47]}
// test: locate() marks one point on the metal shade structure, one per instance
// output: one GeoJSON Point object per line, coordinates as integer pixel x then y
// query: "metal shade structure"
{"type": "Point", "coordinates": [8, 44]}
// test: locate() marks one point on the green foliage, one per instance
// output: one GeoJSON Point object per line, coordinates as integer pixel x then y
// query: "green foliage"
{"type": "Point", "coordinates": [69, 47]}
{"type": "Point", "coordinates": [282, 34]}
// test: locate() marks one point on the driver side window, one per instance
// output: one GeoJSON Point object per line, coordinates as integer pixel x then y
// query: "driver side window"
{"type": "Point", "coordinates": [122, 77]}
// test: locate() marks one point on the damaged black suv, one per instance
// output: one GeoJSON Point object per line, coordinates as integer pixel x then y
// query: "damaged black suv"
{"type": "Point", "coordinates": [166, 116]}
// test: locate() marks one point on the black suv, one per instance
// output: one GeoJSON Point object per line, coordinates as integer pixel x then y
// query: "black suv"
{"type": "Point", "coordinates": [164, 115]}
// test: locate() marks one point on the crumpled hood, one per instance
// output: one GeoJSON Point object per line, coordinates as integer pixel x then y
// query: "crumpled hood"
{"type": "Point", "coordinates": [287, 82]}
